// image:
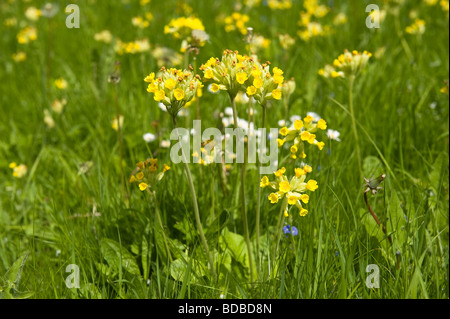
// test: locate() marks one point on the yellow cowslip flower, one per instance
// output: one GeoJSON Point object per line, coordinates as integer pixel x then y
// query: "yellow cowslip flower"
{"type": "Point", "coordinates": [159, 95]}
{"type": "Point", "coordinates": [291, 192]}
{"type": "Point", "coordinates": [150, 78]}
{"type": "Point", "coordinates": [276, 94]}
{"type": "Point", "coordinates": [280, 142]}
{"type": "Point", "coordinates": [264, 182]}
{"type": "Point", "coordinates": [418, 27]}
{"type": "Point", "coordinates": [280, 172]}
{"type": "Point", "coordinates": [346, 65]}
{"type": "Point", "coordinates": [322, 124]}
{"type": "Point", "coordinates": [19, 171]}
{"type": "Point", "coordinates": [143, 186]}
{"type": "Point", "coordinates": [140, 22]}
{"type": "Point", "coordinates": [285, 187]}
{"type": "Point", "coordinates": [298, 124]}
{"type": "Point", "coordinates": [166, 168]}
{"type": "Point", "coordinates": [179, 94]}
{"type": "Point", "coordinates": [299, 172]}
{"type": "Point", "coordinates": [26, 35]}
{"type": "Point", "coordinates": [170, 84]}
{"type": "Point", "coordinates": [182, 27]}
{"type": "Point", "coordinates": [251, 90]}
{"type": "Point", "coordinates": [312, 185]}
{"type": "Point", "coordinates": [19, 56]}
{"type": "Point", "coordinates": [140, 175]}
{"type": "Point", "coordinates": [241, 77]}
{"type": "Point", "coordinates": [273, 197]}
{"type": "Point", "coordinates": [61, 84]}
{"type": "Point", "coordinates": [258, 83]}
{"type": "Point", "coordinates": [174, 88]}
{"type": "Point", "coordinates": [300, 132]}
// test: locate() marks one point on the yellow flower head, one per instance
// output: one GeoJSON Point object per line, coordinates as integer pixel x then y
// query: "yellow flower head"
{"type": "Point", "coordinates": [264, 182]}
{"type": "Point", "coordinates": [273, 197]}
{"type": "Point", "coordinates": [285, 187]}
{"type": "Point", "coordinates": [311, 185]}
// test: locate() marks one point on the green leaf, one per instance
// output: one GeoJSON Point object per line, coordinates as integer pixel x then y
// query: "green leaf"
{"type": "Point", "coordinates": [397, 220]}
{"type": "Point", "coordinates": [190, 270]}
{"type": "Point", "coordinates": [372, 167]}
{"type": "Point", "coordinates": [113, 253]}
{"type": "Point", "coordinates": [15, 272]}
{"type": "Point", "coordinates": [236, 245]}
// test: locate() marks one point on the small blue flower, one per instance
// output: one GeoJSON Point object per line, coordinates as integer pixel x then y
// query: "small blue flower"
{"type": "Point", "coordinates": [287, 230]}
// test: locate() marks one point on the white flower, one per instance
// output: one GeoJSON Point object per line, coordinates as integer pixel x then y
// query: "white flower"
{"type": "Point", "coordinates": [333, 135]}
{"type": "Point", "coordinates": [165, 144]}
{"type": "Point", "coordinates": [228, 111]}
{"type": "Point", "coordinates": [149, 137]}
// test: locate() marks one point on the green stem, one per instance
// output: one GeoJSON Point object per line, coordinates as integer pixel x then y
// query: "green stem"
{"type": "Point", "coordinates": [355, 132]}
{"type": "Point", "coordinates": [242, 188]}
{"type": "Point", "coordinates": [158, 216]}
{"type": "Point", "coordinates": [258, 199]}
{"type": "Point", "coordinates": [194, 201]}
{"type": "Point", "coordinates": [119, 138]}
{"type": "Point", "coordinates": [278, 231]}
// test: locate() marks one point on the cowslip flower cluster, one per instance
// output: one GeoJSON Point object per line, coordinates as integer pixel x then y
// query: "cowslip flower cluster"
{"type": "Point", "coordinates": [348, 64]}
{"type": "Point", "coordinates": [133, 47]}
{"type": "Point", "coordinates": [229, 74]}
{"type": "Point", "coordinates": [236, 21]}
{"type": "Point", "coordinates": [242, 73]}
{"type": "Point", "coordinates": [182, 27]}
{"type": "Point", "coordinates": [418, 27]}
{"type": "Point", "coordinates": [309, 28]}
{"type": "Point", "coordinates": [264, 86]}
{"type": "Point", "coordinates": [146, 173]}
{"type": "Point", "coordinates": [300, 132]}
{"type": "Point", "coordinates": [26, 35]}
{"type": "Point", "coordinates": [279, 4]}
{"type": "Point", "coordinates": [19, 171]}
{"type": "Point", "coordinates": [290, 192]}
{"type": "Point", "coordinates": [173, 87]}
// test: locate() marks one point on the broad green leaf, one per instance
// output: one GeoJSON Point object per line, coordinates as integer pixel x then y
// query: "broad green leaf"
{"type": "Point", "coordinates": [236, 245]}
{"type": "Point", "coordinates": [113, 253]}
{"type": "Point", "coordinates": [15, 272]}
{"type": "Point", "coordinates": [372, 167]}
{"type": "Point", "coordinates": [397, 221]}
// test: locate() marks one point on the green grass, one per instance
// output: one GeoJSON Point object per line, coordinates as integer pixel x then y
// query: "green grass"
{"type": "Point", "coordinates": [402, 121]}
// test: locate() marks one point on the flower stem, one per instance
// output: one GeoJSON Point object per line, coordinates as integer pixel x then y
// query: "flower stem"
{"type": "Point", "coordinates": [242, 188]}
{"type": "Point", "coordinates": [196, 211]}
{"type": "Point", "coordinates": [119, 138]}
{"type": "Point", "coordinates": [258, 199]}
{"type": "Point", "coordinates": [158, 216]}
{"type": "Point", "coordinates": [355, 132]}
